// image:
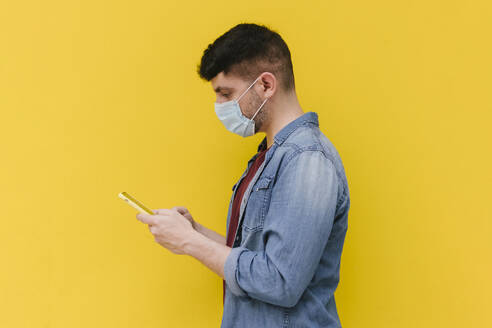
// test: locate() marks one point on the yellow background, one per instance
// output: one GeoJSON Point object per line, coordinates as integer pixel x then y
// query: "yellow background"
{"type": "Point", "coordinates": [99, 97]}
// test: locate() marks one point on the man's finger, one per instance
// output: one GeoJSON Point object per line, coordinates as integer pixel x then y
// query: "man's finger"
{"type": "Point", "coordinates": [163, 211]}
{"type": "Point", "coordinates": [180, 209]}
{"type": "Point", "coordinates": [152, 229]}
{"type": "Point", "coordinates": [146, 218]}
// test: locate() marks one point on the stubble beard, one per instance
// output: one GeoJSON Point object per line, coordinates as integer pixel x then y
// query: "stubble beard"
{"type": "Point", "coordinates": [262, 115]}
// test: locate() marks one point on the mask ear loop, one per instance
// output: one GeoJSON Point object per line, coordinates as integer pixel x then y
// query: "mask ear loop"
{"type": "Point", "coordinates": [264, 101]}
{"type": "Point", "coordinates": [247, 89]}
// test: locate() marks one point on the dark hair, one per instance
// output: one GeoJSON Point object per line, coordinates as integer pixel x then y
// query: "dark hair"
{"type": "Point", "coordinates": [248, 50]}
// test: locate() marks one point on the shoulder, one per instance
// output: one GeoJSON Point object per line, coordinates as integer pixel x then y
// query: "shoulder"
{"type": "Point", "coordinates": [307, 138]}
{"type": "Point", "coordinates": [310, 140]}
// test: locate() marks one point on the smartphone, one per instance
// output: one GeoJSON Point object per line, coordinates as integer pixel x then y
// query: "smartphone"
{"type": "Point", "coordinates": [134, 203]}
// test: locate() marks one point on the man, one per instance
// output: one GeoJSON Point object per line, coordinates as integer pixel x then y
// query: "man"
{"type": "Point", "coordinates": [287, 216]}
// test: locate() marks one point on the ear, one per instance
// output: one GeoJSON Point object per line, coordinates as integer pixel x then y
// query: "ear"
{"type": "Point", "coordinates": [267, 85]}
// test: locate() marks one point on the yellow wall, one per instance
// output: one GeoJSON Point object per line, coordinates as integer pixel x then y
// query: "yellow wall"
{"type": "Point", "coordinates": [98, 97]}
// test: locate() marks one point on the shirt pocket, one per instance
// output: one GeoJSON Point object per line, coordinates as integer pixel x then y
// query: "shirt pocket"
{"type": "Point", "coordinates": [257, 205]}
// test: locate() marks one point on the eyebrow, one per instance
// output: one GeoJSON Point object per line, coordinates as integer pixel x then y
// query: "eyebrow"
{"type": "Point", "coordinates": [219, 89]}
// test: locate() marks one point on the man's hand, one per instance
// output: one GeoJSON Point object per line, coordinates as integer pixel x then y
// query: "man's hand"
{"type": "Point", "coordinates": [170, 228]}
{"type": "Point", "coordinates": [173, 229]}
{"type": "Point", "coordinates": [200, 228]}
{"type": "Point", "coordinates": [184, 211]}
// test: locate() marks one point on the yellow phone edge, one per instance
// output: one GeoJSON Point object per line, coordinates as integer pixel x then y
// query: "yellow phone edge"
{"type": "Point", "coordinates": [134, 203]}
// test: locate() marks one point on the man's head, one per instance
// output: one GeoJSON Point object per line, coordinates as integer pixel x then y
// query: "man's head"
{"type": "Point", "coordinates": [240, 56]}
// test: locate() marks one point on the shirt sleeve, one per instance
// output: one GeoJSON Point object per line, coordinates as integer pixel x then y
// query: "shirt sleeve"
{"type": "Point", "coordinates": [296, 230]}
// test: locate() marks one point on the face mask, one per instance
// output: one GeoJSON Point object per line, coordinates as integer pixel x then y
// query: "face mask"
{"type": "Point", "coordinates": [230, 114]}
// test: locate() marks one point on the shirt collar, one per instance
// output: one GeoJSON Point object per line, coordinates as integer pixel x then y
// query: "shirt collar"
{"type": "Point", "coordinates": [309, 117]}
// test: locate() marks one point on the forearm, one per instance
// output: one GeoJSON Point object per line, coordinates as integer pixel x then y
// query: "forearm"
{"type": "Point", "coordinates": [210, 233]}
{"type": "Point", "coordinates": [211, 253]}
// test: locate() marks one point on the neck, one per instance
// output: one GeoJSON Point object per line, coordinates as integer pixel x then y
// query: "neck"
{"type": "Point", "coordinates": [281, 114]}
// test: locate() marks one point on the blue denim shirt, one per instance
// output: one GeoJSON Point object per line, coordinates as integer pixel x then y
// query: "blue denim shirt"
{"type": "Point", "coordinates": [284, 266]}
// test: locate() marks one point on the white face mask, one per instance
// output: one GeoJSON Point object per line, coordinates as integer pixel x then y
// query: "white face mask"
{"type": "Point", "coordinates": [230, 114]}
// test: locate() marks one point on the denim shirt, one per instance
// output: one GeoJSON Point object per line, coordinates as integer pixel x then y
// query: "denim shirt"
{"type": "Point", "coordinates": [284, 266]}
